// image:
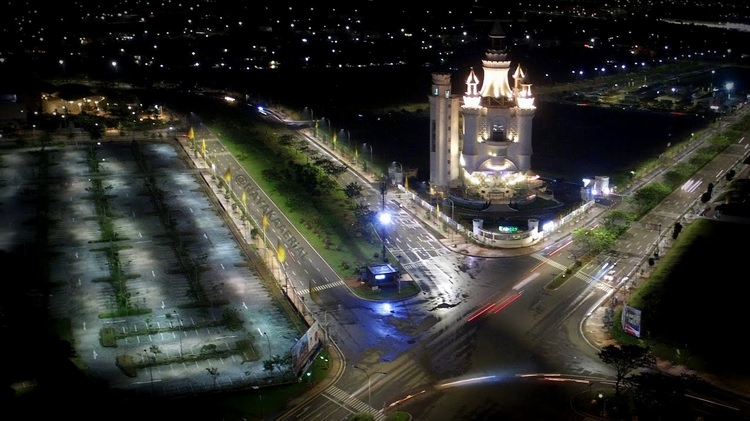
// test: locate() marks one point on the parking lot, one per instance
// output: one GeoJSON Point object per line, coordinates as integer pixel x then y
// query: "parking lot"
{"type": "Point", "coordinates": [137, 224]}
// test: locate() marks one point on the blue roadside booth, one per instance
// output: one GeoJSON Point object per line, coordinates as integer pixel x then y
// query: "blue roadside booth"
{"type": "Point", "coordinates": [382, 274]}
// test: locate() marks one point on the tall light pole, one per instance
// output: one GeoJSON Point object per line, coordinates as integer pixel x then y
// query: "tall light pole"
{"type": "Point", "coordinates": [369, 395]}
{"type": "Point", "coordinates": [114, 66]}
{"type": "Point", "coordinates": [150, 370]}
{"type": "Point", "coordinates": [260, 397]}
{"type": "Point", "coordinates": [268, 339]}
{"type": "Point", "coordinates": [400, 178]}
{"type": "Point", "coordinates": [712, 79]}
{"type": "Point", "coordinates": [383, 217]}
{"type": "Point", "coordinates": [179, 319]}
{"type": "Point", "coordinates": [367, 144]}
{"type": "Point", "coordinates": [328, 121]}
{"type": "Point", "coordinates": [385, 220]}
{"type": "Point", "coordinates": [348, 137]}
{"type": "Point", "coordinates": [453, 208]}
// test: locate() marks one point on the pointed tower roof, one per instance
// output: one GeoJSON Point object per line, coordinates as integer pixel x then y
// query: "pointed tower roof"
{"type": "Point", "coordinates": [472, 98]}
{"type": "Point", "coordinates": [496, 33]}
{"type": "Point", "coordinates": [496, 66]}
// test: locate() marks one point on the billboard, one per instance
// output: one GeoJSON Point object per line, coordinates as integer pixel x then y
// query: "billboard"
{"type": "Point", "coordinates": [304, 349]}
{"type": "Point", "coordinates": [631, 320]}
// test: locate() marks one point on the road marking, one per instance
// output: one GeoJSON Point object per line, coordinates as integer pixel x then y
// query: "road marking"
{"type": "Point", "coordinates": [525, 281]}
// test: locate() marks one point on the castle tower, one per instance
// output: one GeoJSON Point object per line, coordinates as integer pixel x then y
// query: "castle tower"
{"type": "Point", "coordinates": [444, 128]}
{"type": "Point", "coordinates": [494, 133]}
{"type": "Point", "coordinates": [496, 66]}
{"type": "Point", "coordinates": [524, 113]}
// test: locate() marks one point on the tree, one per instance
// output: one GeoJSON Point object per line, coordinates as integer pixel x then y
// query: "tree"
{"type": "Point", "coordinates": [648, 196]}
{"type": "Point", "coordinates": [677, 230]}
{"type": "Point", "coordinates": [705, 197]}
{"type": "Point", "coordinates": [154, 350]}
{"type": "Point", "coordinates": [213, 372]}
{"type": "Point", "coordinates": [625, 359]}
{"type": "Point", "coordinates": [353, 190]}
{"type": "Point", "coordinates": [278, 362]}
{"type": "Point", "coordinates": [659, 396]}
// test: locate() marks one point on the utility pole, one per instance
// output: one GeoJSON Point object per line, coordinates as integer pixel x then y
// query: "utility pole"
{"type": "Point", "coordinates": [382, 210]}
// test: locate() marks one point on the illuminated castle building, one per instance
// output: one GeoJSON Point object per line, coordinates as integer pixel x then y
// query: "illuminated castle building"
{"type": "Point", "coordinates": [480, 143]}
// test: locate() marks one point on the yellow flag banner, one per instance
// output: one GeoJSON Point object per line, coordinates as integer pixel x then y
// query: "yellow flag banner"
{"type": "Point", "coordinates": [265, 221]}
{"type": "Point", "coordinates": [191, 134]}
{"type": "Point", "coordinates": [203, 147]}
{"type": "Point", "coordinates": [244, 198]}
{"type": "Point", "coordinates": [406, 183]}
{"type": "Point", "coordinates": [281, 253]}
{"type": "Point", "coordinates": [438, 210]}
{"type": "Point", "coordinates": [228, 175]}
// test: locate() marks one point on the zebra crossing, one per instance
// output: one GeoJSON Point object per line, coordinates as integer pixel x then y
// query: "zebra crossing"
{"type": "Point", "coordinates": [301, 292]}
{"type": "Point", "coordinates": [597, 283]}
{"type": "Point", "coordinates": [351, 402]}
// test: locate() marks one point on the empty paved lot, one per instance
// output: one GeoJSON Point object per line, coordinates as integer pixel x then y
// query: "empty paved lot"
{"type": "Point", "coordinates": [153, 203]}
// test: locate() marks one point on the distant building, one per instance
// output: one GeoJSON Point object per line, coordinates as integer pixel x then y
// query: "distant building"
{"type": "Point", "coordinates": [480, 143]}
{"type": "Point", "coordinates": [71, 99]}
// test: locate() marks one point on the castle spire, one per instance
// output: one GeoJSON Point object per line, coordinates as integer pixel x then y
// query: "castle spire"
{"type": "Point", "coordinates": [496, 66]}
{"type": "Point", "coordinates": [472, 98]}
{"type": "Point", "coordinates": [518, 77]}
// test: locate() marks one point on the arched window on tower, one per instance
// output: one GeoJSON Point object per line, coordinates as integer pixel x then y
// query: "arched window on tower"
{"type": "Point", "coordinates": [498, 133]}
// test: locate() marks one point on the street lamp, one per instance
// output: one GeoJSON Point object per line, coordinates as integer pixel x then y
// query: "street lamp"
{"type": "Point", "coordinates": [369, 395]}
{"type": "Point", "coordinates": [268, 339]}
{"type": "Point", "coordinates": [114, 66]}
{"type": "Point", "coordinates": [385, 219]}
{"type": "Point", "coordinates": [453, 221]}
{"type": "Point", "coordinates": [179, 319]}
{"type": "Point", "coordinates": [365, 145]}
{"type": "Point", "coordinates": [348, 138]}
{"type": "Point", "coordinates": [328, 122]}
{"type": "Point", "coordinates": [397, 177]}
{"type": "Point", "coordinates": [150, 369]}
{"type": "Point", "coordinates": [729, 86]}
{"type": "Point", "coordinates": [260, 397]}
{"type": "Point", "coordinates": [712, 79]}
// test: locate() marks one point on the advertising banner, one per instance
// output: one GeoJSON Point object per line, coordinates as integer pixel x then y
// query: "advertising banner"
{"type": "Point", "coordinates": [631, 320]}
{"type": "Point", "coordinates": [304, 349]}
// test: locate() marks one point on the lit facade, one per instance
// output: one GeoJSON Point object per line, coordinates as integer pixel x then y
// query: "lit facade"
{"type": "Point", "coordinates": [480, 143]}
